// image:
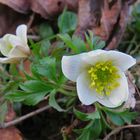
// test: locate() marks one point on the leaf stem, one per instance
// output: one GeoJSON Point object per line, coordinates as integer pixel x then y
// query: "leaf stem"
{"type": "Point", "coordinates": [66, 92]}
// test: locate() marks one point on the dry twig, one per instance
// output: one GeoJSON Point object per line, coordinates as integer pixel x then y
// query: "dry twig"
{"type": "Point", "coordinates": [118, 129]}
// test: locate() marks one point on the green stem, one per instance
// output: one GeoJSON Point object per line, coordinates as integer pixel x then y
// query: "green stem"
{"type": "Point", "coordinates": [64, 136]}
{"type": "Point", "coordinates": [66, 92]}
{"type": "Point", "coordinates": [100, 108]}
{"type": "Point", "coordinates": [67, 87]}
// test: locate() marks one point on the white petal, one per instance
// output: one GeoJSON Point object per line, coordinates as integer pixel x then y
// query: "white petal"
{"type": "Point", "coordinates": [5, 45]}
{"type": "Point", "coordinates": [88, 96]}
{"type": "Point", "coordinates": [120, 94]}
{"type": "Point", "coordinates": [9, 60]}
{"type": "Point", "coordinates": [104, 101]}
{"type": "Point", "coordinates": [94, 56]}
{"type": "Point", "coordinates": [17, 52]}
{"type": "Point", "coordinates": [22, 33]}
{"type": "Point", "coordinates": [85, 94]}
{"type": "Point", "coordinates": [16, 41]}
{"type": "Point", "coordinates": [72, 66]}
{"type": "Point", "coordinates": [122, 60]}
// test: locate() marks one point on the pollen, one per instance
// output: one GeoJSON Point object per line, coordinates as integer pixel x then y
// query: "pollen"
{"type": "Point", "coordinates": [104, 77]}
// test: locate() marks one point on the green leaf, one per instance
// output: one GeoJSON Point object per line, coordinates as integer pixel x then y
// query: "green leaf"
{"type": "Point", "coordinates": [94, 42]}
{"type": "Point", "coordinates": [53, 102]}
{"type": "Point", "coordinates": [27, 98]}
{"type": "Point", "coordinates": [86, 116]}
{"type": "Point", "coordinates": [115, 118]}
{"type": "Point", "coordinates": [91, 131]}
{"type": "Point", "coordinates": [68, 41]}
{"type": "Point", "coordinates": [3, 111]}
{"type": "Point", "coordinates": [80, 115]}
{"type": "Point", "coordinates": [67, 22]}
{"type": "Point", "coordinates": [35, 86]}
{"type": "Point", "coordinates": [34, 92]}
{"type": "Point", "coordinates": [44, 47]}
{"type": "Point", "coordinates": [46, 67]}
{"type": "Point", "coordinates": [45, 30]}
{"type": "Point", "coordinates": [79, 43]}
{"type": "Point", "coordinates": [128, 116]}
{"type": "Point", "coordinates": [94, 115]}
{"type": "Point", "coordinates": [76, 44]}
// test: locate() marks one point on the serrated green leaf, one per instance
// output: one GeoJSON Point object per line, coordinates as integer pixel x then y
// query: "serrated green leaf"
{"type": "Point", "coordinates": [115, 118]}
{"type": "Point", "coordinates": [128, 116]}
{"type": "Point", "coordinates": [79, 43]}
{"type": "Point", "coordinates": [68, 41]}
{"type": "Point", "coordinates": [27, 98]}
{"type": "Point", "coordinates": [35, 86]}
{"type": "Point", "coordinates": [91, 131]}
{"type": "Point", "coordinates": [67, 22]}
{"type": "Point", "coordinates": [53, 103]}
{"type": "Point", "coordinates": [46, 67]}
{"type": "Point", "coordinates": [86, 116]}
{"type": "Point", "coordinates": [33, 92]}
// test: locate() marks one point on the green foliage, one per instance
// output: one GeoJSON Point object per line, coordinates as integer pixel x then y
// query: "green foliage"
{"type": "Point", "coordinates": [3, 111]}
{"type": "Point", "coordinates": [33, 92]}
{"type": "Point", "coordinates": [46, 67]}
{"type": "Point", "coordinates": [94, 42]}
{"type": "Point", "coordinates": [53, 102]}
{"type": "Point", "coordinates": [45, 30]}
{"type": "Point", "coordinates": [120, 118]}
{"type": "Point", "coordinates": [67, 22]}
{"type": "Point", "coordinates": [91, 131]}
{"type": "Point", "coordinates": [87, 116]}
{"type": "Point", "coordinates": [77, 45]}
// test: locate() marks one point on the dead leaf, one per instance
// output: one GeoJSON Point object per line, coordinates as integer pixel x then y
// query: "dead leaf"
{"type": "Point", "coordinates": [10, 133]}
{"type": "Point", "coordinates": [10, 113]}
{"type": "Point", "coordinates": [21, 6]}
{"type": "Point", "coordinates": [10, 19]}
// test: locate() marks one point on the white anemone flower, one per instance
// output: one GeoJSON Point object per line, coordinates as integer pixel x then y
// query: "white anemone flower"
{"type": "Point", "coordinates": [99, 76]}
{"type": "Point", "coordinates": [14, 47]}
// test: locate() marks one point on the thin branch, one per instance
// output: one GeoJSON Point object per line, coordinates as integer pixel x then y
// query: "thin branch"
{"type": "Point", "coordinates": [115, 131]}
{"type": "Point", "coordinates": [22, 118]}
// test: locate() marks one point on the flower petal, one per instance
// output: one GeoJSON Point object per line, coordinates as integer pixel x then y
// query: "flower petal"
{"type": "Point", "coordinates": [94, 56]}
{"type": "Point", "coordinates": [104, 101]}
{"type": "Point", "coordinates": [9, 60]}
{"type": "Point", "coordinates": [17, 52]}
{"type": "Point", "coordinates": [5, 45]}
{"type": "Point", "coordinates": [122, 60]}
{"type": "Point", "coordinates": [72, 66]}
{"type": "Point", "coordinates": [21, 32]}
{"type": "Point", "coordinates": [16, 41]}
{"type": "Point", "coordinates": [85, 94]}
{"type": "Point", "coordinates": [88, 96]}
{"type": "Point", "coordinates": [119, 95]}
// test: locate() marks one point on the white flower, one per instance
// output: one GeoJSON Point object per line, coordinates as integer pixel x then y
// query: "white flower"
{"type": "Point", "coordinates": [14, 47]}
{"type": "Point", "coordinates": [100, 76]}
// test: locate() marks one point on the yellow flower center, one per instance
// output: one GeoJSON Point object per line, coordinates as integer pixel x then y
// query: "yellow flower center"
{"type": "Point", "coordinates": [103, 77]}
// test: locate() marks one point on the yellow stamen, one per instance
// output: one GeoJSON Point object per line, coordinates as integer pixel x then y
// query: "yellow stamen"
{"type": "Point", "coordinates": [103, 77]}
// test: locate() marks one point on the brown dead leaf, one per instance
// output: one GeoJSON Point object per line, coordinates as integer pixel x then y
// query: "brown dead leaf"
{"type": "Point", "coordinates": [21, 6]}
{"type": "Point", "coordinates": [10, 113]}
{"type": "Point", "coordinates": [10, 19]}
{"type": "Point", "coordinates": [10, 133]}
{"type": "Point", "coordinates": [104, 18]}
